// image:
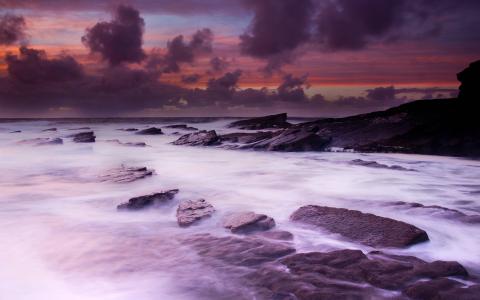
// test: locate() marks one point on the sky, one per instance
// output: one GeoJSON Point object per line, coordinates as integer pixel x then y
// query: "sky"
{"type": "Point", "coordinates": [312, 58]}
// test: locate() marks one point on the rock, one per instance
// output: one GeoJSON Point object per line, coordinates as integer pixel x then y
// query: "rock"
{"type": "Point", "coordinates": [440, 211]}
{"type": "Point", "coordinates": [192, 211]}
{"type": "Point", "coordinates": [374, 164]}
{"type": "Point", "coordinates": [128, 129]}
{"type": "Point", "coordinates": [247, 222]}
{"type": "Point", "coordinates": [470, 82]}
{"type": "Point", "coordinates": [276, 235]}
{"type": "Point", "coordinates": [152, 200]}
{"type": "Point", "coordinates": [365, 228]}
{"type": "Point", "coordinates": [42, 141]}
{"type": "Point", "coordinates": [16, 131]}
{"type": "Point", "coordinates": [181, 126]}
{"type": "Point", "coordinates": [150, 131]}
{"type": "Point", "coordinates": [293, 139]}
{"type": "Point", "coordinates": [80, 128]}
{"type": "Point", "coordinates": [130, 144]}
{"type": "Point", "coordinates": [126, 174]}
{"type": "Point", "coordinates": [83, 137]}
{"type": "Point", "coordinates": [238, 251]}
{"type": "Point", "coordinates": [200, 138]}
{"type": "Point", "coordinates": [49, 129]}
{"type": "Point", "coordinates": [271, 121]}
{"type": "Point", "coordinates": [442, 288]}
{"type": "Point", "coordinates": [246, 137]}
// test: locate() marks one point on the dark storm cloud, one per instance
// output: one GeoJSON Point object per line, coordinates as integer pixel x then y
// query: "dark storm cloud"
{"type": "Point", "coordinates": [191, 79]}
{"type": "Point", "coordinates": [32, 66]}
{"type": "Point", "coordinates": [292, 88]}
{"type": "Point", "coordinates": [278, 27]}
{"type": "Point", "coordinates": [12, 29]}
{"type": "Point", "coordinates": [119, 40]}
{"type": "Point", "coordinates": [218, 64]}
{"type": "Point", "coordinates": [225, 85]}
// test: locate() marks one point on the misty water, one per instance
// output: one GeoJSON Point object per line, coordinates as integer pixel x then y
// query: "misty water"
{"type": "Point", "coordinates": [61, 236]}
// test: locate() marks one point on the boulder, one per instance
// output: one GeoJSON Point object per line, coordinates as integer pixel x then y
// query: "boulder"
{"type": "Point", "coordinates": [368, 229]}
{"type": "Point", "coordinates": [153, 200]}
{"type": "Point", "coordinates": [200, 138]}
{"type": "Point", "coordinates": [266, 122]}
{"type": "Point", "coordinates": [192, 211]}
{"type": "Point", "coordinates": [150, 131]}
{"type": "Point", "coordinates": [181, 126]}
{"type": "Point", "coordinates": [247, 222]}
{"type": "Point", "coordinates": [126, 174]}
{"type": "Point", "coordinates": [374, 164]}
{"type": "Point", "coordinates": [238, 251]}
{"type": "Point", "coordinates": [83, 137]}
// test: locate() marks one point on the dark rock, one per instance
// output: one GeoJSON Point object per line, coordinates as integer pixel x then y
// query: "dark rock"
{"type": "Point", "coordinates": [150, 131]}
{"type": "Point", "coordinates": [238, 251]}
{"type": "Point", "coordinates": [42, 141]}
{"type": "Point", "coordinates": [293, 139]}
{"type": "Point", "coordinates": [470, 82]}
{"type": "Point", "coordinates": [276, 235]}
{"type": "Point", "coordinates": [126, 174]}
{"type": "Point", "coordinates": [128, 129]}
{"type": "Point", "coordinates": [246, 137]}
{"type": "Point", "coordinates": [83, 137]}
{"type": "Point", "coordinates": [442, 289]}
{"type": "Point", "coordinates": [368, 229]}
{"type": "Point", "coordinates": [192, 211]}
{"type": "Point", "coordinates": [200, 138]}
{"type": "Point", "coordinates": [130, 144]}
{"type": "Point", "coordinates": [152, 200]}
{"type": "Point", "coordinates": [266, 122]}
{"type": "Point", "coordinates": [440, 211]}
{"type": "Point", "coordinates": [49, 129]}
{"type": "Point", "coordinates": [181, 126]}
{"type": "Point", "coordinates": [80, 128]}
{"type": "Point", "coordinates": [374, 164]}
{"type": "Point", "coordinates": [247, 222]}
{"type": "Point", "coordinates": [16, 131]}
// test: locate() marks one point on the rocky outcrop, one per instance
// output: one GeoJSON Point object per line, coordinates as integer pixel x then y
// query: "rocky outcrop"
{"type": "Point", "coordinates": [293, 139]}
{"type": "Point", "coordinates": [192, 211]}
{"type": "Point", "coordinates": [200, 138]}
{"type": "Point", "coordinates": [83, 137]}
{"type": "Point", "coordinates": [41, 141]}
{"type": "Point", "coordinates": [126, 174]}
{"type": "Point", "coordinates": [374, 164]}
{"type": "Point", "coordinates": [248, 222]}
{"type": "Point", "coordinates": [367, 229]}
{"type": "Point", "coordinates": [266, 122]}
{"type": "Point", "coordinates": [153, 200]}
{"type": "Point", "coordinates": [246, 137]}
{"type": "Point", "coordinates": [238, 251]}
{"type": "Point", "coordinates": [150, 131]}
{"type": "Point", "coordinates": [182, 127]}
{"type": "Point", "coordinates": [470, 82]}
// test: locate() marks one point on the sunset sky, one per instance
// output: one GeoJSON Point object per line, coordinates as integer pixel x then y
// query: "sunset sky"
{"type": "Point", "coordinates": [230, 57]}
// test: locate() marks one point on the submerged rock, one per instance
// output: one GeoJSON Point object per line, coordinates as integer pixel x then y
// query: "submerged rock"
{"type": "Point", "coordinates": [181, 126]}
{"type": "Point", "coordinates": [146, 201]}
{"type": "Point", "coordinates": [238, 251]}
{"type": "Point", "coordinates": [365, 228]}
{"type": "Point", "coordinates": [130, 144]}
{"type": "Point", "coordinates": [374, 164]}
{"type": "Point", "coordinates": [200, 138]}
{"type": "Point", "coordinates": [83, 137]}
{"type": "Point", "coordinates": [80, 128]}
{"type": "Point", "coordinates": [16, 131]}
{"type": "Point", "coordinates": [247, 222]}
{"type": "Point", "coordinates": [49, 129]}
{"type": "Point", "coordinates": [128, 129]}
{"type": "Point", "coordinates": [192, 211]}
{"type": "Point", "coordinates": [266, 122]}
{"type": "Point", "coordinates": [150, 131]}
{"type": "Point", "coordinates": [126, 174]}
{"type": "Point", "coordinates": [41, 141]}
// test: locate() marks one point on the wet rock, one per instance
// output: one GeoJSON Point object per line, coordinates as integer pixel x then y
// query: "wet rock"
{"type": "Point", "coordinates": [442, 288]}
{"type": "Point", "coordinates": [470, 82]}
{"type": "Point", "coordinates": [181, 126]}
{"type": "Point", "coordinates": [440, 211]}
{"type": "Point", "coordinates": [365, 228]}
{"type": "Point", "coordinates": [150, 131]}
{"type": "Point", "coordinates": [128, 129]}
{"type": "Point", "coordinates": [266, 122]}
{"type": "Point", "coordinates": [374, 164]}
{"type": "Point", "coordinates": [16, 131]}
{"type": "Point", "coordinates": [80, 128]}
{"type": "Point", "coordinates": [83, 137]}
{"type": "Point", "coordinates": [246, 137]}
{"type": "Point", "coordinates": [276, 235]}
{"type": "Point", "coordinates": [247, 222]}
{"type": "Point", "coordinates": [153, 200]}
{"type": "Point", "coordinates": [238, 251]}
{"type": "Point", "coordinates": [200, 138]}
{"type": "Point", "coordinates": [192, 211]}
{"type": "Point", "coordinates": [294, 139]}
{"type": "Point", "coordinates": [130, 144]}
{"type": "Point", "coordinates": [126, 174]}
{"type": "Point", "coordinates": [41, 141]}
{"type": "Point", "coordinates": [49, 129]}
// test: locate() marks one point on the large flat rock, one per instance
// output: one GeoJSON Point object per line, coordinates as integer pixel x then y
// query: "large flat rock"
{"type": "Point", "coordinates": [364, 228]}
{"type": "Point", "coordinates": [192, 211]}
{"type": "Point", "coordinates": [153, 200]}
{"type": "Point", "coordinates": [200, 138]}
{"type": "Point", "coordinates": [83, 137]}
{"type": "Point", "coordinates": [266, 122]}
{"type": "Point", "coordinates": [125, 174]}
{"type": "Point", "coordinates": [247, 222]}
